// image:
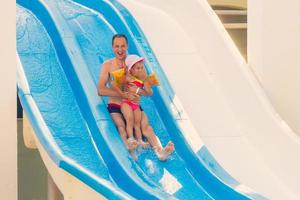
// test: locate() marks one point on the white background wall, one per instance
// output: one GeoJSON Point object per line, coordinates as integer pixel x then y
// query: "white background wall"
{"type": "Point", "coordinates": [8, 119]}
{"type": "Point", "coordinates": [274, 54]}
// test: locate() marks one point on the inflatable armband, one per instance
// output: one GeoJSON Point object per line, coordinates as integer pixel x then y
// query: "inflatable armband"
{"type": "Point", "coordinates": [118, 76]}
{"type": "Point", "coordinates": [152, 78]}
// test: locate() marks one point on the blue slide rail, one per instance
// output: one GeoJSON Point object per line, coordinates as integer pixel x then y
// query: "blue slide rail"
{"type": "Point", "coordinates": [81, 35]}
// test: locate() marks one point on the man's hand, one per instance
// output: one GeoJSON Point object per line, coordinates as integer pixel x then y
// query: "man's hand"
{"type": "Point", "coordinates": [132, 88]}
{"type": "Point", "coordinates": [131, 96]}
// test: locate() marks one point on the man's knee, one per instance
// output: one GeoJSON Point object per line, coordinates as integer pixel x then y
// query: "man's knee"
{"type": "Point", "coordinates": [121, 130]}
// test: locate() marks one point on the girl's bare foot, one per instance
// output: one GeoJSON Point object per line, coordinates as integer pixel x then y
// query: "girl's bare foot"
{"type": "Point", "coordinates": [163, 153]}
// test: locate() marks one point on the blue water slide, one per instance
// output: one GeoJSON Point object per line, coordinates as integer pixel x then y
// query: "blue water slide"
{"type": "Point", "coordinates": [70, 42]}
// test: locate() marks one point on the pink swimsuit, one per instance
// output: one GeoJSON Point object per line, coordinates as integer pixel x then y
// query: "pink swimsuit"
{"type": "Point", "coordinates": [134, 105]}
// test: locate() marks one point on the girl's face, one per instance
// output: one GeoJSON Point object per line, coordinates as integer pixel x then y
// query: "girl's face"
{"type": "Point", "coordinates": [137, 69]}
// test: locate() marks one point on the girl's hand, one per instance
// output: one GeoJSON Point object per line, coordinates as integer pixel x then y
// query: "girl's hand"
{"type": "Point", "coordinates": [143, 75]}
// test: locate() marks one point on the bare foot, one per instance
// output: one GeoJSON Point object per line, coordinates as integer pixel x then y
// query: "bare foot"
{"type": "Point", "coordinates": [164, 153]}
{"type": "Point", "coordinates": [131, 144]}
{"type": "Point", "coordinates": [143, 144]}
{"type": "Point", "coordinates": [133, 155]}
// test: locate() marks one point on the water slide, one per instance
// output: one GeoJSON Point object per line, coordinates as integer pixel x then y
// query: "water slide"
{"type": "Point", "coordinates": [61, 46]}
{"type": "Point", "coordinates": [221, 96]}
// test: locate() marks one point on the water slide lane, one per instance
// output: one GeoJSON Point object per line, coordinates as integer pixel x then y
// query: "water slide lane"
{"type": "Point", "coordinates": [49, 102]}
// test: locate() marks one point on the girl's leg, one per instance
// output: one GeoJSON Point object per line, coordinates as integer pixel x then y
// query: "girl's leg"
{"type": "Point", "coordinates": [137, 128]}
{"type": "Point", "coordinates": [129, 118]}
{"type": "Point", "coordinates": [161, 152]}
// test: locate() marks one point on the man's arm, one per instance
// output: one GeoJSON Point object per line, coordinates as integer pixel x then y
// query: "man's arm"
{"type": "Point", "coordinates": [116, 88]}
{"type": "Point", "coordinates": [103, 90]}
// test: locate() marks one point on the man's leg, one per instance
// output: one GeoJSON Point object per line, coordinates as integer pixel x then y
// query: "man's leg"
{"type": "Point", "coordinates": [120, 124]}
{"type": "Point", "coordinates": [129, 118]}
{"type": "Point", "coordinates": [162, 153]}
{"type": "Point", "coordinates": [148, 132]}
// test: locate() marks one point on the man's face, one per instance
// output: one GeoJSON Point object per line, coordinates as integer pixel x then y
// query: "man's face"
{"type": "Point", "coordinates": [120, 48]}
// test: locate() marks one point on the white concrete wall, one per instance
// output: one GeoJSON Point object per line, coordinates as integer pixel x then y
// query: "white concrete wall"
{"type": "Point", "coordinates": [8, 118]}
{"type": "Point", "coordinates": [274, 54]}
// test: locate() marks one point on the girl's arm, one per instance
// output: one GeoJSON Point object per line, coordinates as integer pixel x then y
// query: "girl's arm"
{"type": "Point", "coordinates": [146, 91]}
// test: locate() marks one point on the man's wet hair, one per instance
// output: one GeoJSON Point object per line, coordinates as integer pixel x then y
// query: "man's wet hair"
{"type": "Point", "coordinates": [119, 35]}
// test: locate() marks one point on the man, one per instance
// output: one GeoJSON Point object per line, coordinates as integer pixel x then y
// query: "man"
{"type": "Point", "coordinates": [120, 47]}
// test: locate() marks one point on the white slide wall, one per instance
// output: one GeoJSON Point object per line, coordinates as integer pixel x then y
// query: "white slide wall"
{"type": "Point", "coordinates": [274, 54]}
{"type": "Point", "coordinates": [221, 95]}
{"type": "Point", "coordinates": [8, 103]}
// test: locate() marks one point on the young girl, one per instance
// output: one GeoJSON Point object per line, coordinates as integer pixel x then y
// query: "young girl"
{"type": "Point", "coordinates": [131, 110]}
